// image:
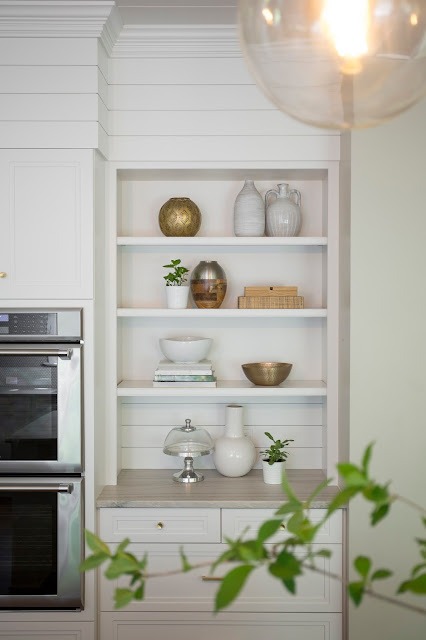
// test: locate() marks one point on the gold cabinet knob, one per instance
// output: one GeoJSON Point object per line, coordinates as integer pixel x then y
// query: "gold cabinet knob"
{"type": "Point", "coordinates": [282, 526]}
{"type": "Point", "coordinates": [160, 525]}
{"type": "Point", "coordinates": [3, 274]}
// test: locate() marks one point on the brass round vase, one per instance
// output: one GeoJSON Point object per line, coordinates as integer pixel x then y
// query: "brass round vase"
{"type": "Point", "coordinates": [208, 285]}
{"type": "Point", "coordinates": [179, 217]}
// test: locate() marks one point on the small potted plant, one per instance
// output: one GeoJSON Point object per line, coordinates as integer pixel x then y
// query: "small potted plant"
{"type": "Point", "coordinates": [273, 460]}
{"type": "Point", "coordinates": [176, 292]}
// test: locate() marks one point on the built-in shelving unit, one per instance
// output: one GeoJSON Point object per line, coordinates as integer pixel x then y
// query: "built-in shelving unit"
{"type": "Point", "coordinates": [221, 313]}
{"type": "Point", "coordinates": [221, 241]}
{"type": "Point", "coordinates": [226, 389]}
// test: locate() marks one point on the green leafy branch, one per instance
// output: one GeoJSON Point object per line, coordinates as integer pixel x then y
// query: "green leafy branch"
{"type": "Point", "coordinates": [175, 278]}
{"type": "Point", "coordinates": [286, 559]}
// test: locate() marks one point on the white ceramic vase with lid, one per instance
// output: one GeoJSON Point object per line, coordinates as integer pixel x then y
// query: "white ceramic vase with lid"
{"type": "Point", "coordinates": [235, 453]}
{"type": "Point", "coordinates": [249, 212]}
{"type": "Point", "coordinates": [283, 215]}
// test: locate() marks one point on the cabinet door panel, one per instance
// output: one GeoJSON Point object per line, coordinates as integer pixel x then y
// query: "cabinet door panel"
{"type": "Point", "coordinates": [306, 626]}
{"type": "Point", "coordinates": [46, 219]}
{"type": "Point", "coordinates": [316, 592]}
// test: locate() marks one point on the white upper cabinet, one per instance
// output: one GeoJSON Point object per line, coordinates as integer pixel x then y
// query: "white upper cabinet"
{"type": "Point", "coordinates": [46, 222]}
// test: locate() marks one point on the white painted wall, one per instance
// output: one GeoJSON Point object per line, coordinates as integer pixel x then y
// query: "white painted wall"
{"type": "Point", "coordinates": [388, 348]}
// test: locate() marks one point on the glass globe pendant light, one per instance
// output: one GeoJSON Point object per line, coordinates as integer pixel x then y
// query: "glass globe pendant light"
{"type": "Point", "coordinates": [338, 64]}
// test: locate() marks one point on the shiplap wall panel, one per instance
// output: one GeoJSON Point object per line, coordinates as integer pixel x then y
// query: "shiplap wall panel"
{"type": "Point", "coordinates": [48, 79]}
{"type": "Point", "coordinates": [51, 107]}
{"type": "Point", "coordinates": [177, 97]}
{"type": "Point", "coordinates": [209, 122]}
{"type": "Point", "coordinates": [154, 458]}
{"type": "Point", "coordinates": [48, 51]}
{"type": "Point", "coordinates": [292, 412]}
{"type": "Point", "coordinates": [223, 148]}
{"type": "Point", "coordinates": [197, 71]}
{"type": "Point", "coordinates": [142, 436]}
{"type": "Point", "coordinates": [49, 135]}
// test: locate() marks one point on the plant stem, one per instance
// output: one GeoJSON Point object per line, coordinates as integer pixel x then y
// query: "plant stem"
{"type": "Point", "coordinates": [414, 505]}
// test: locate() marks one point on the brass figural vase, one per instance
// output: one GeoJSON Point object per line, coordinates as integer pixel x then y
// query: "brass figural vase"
{"type": "Point", "coordinates": [179, 217]}
{"type": "Point", "coordinates": [208, 285]}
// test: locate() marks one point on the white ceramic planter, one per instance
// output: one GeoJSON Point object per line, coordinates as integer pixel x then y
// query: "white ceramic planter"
{"type": "Point", "coordinates": [234, 453]}
{"type": "Point", "coordinates": [272, 473]}
{"type": "Point", "coordinates": [177, 297]}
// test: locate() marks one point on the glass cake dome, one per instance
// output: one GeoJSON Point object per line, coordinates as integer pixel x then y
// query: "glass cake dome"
{"type": "Point", "coordinates": [188, 442]}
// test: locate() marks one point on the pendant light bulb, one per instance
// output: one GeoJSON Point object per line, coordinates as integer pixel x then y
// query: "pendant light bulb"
{"type": "Point", "coordinates": [337, 64]}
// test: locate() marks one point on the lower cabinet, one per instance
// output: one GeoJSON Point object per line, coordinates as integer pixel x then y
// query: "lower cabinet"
{"type": "Point", "coordinates": [47, 631]}
{"type": "Point", "coordinates": [182, 603]}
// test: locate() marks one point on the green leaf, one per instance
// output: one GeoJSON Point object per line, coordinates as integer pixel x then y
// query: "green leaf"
{"type": "Point", "coordinates": [267, 530]}
{"type": "Point", "coordinates": [227, 556]}
{"type": "Point", "coordinates": [295, 522]}
{"type": "Point", "coordinates": [289, 507]}
{"type": "Point", "coordinates": [140, 591]}
{"type": "Point", "coordinates": [379, 513]}
{"type": "Point", "coordinates": [142, 563]}
{"type": "Point", "coordinates": [363, 565]}
{"type": "Point", "coordinates": [418, 568]}
{"type": "Point", "coordinates": [286, 566]}
{"type": "Point", "coordinates": [324, 553]}
{"type": "Point", "coordinates": [352, 476]}
{"type": "Point", "coordinates": [417, 585]}
{"type": "Point", "coordinates": [123, 563]}
{"type": "Point", "coordinates": [376, 493]}
{"type": "Point", "coordinates": [290, 585]}
{"type": "Point", "coordinates": [231, 586]}
{"type": "Point", "coordinates": [381, 574]}
{"type": "Point", "coordinates": [122, 545]}
{"type": "Point", "coordinates": [367, 457]}
{"type": "Point", "coordinates": [122, 597]}
{"type": "Point", "coordinates": [269, 436]}
{"type": "Point", "coordinates": [185, 564]}
{"type": "Point", "coordinates": [356, 592]}
{"type": "Point", "coordinates": [91, 562]}
{"type": "Point", "coordinates": [96, 544]}
{"type": "Point", "coordinates": [168, 266]}
{"type": "Point", "coordinates": [424, 521]}
{"type": "Point", "coordinates": [287, 489]}
{"type": "Point", "coordinates": [342, 498]}
{"type": "Point", "coordinates": [318, 490]}
{"type": "Point", "coordinates": [250, 551]}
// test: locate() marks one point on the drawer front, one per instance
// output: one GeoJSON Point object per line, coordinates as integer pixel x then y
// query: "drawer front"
{"type": "Point", "coordinates": [316, 592]}
{"type": "Point", "coordinates": [236, 521]}
{"type": "Point", "coordinates": [160, 525]}
{"type": "Point", "coordinates": [307, 626]}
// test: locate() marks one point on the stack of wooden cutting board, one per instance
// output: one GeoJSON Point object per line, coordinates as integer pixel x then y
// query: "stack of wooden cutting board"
{"type": "Point", "coordinates": [270, 298]}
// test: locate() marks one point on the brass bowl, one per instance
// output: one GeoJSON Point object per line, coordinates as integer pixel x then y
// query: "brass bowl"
{"type": "Point", "coordinates": [267, 374]}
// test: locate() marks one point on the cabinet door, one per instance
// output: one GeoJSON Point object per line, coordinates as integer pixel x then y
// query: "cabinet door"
{"type": "Point", "coordinates": [46, 222]}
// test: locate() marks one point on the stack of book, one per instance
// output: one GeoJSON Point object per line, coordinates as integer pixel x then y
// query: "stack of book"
{"type": "Point", "coordinates": [270, 298]}
{"type": "Point", "coordinates": [173, 374]}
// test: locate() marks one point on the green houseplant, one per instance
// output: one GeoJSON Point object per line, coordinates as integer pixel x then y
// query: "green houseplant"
{"type": "Point", "coordinates": [176, 290]}
{"type": "Point", "coordinates": [273, 459]}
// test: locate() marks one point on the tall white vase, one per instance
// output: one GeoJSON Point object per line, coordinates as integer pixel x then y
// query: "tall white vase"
{"type": "Point", "coordinates": [234, 453]}
{"type": "Point", "coordinates": [249, 212]}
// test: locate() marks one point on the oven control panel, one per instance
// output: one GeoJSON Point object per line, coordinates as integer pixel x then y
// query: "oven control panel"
{"type": "Point", "coordinates": [44, 325]}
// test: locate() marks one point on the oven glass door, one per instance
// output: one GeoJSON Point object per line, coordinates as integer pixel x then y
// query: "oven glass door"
{"type": "Point", "coordinates": [40, 543]}
{"type": "Point", "coordinates": [40, 409]}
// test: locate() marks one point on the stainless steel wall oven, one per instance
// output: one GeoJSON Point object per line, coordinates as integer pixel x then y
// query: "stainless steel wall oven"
{"type": "Point", "coordinates": [41, 461]}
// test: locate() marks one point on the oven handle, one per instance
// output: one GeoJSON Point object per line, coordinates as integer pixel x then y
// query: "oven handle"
{"type": "Point", "coordinates": [57, 488]}
{"type": "Point", "coordinates": [65, 354]}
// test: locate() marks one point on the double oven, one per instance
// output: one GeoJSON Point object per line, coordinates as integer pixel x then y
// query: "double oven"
{"type": "Point", "coordinates": [41, 460]}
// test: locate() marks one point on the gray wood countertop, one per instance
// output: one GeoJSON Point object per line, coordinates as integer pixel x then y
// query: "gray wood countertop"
{"type": "Point", "coordinates": [156, 488]}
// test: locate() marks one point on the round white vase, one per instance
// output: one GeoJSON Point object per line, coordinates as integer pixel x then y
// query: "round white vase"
{"type": "Point", "coordinates": [249, 212]}
{"type": "Point", "coordinates": [234, 453]}
{"type": "Point", "coordinates": [177, 297]}
{"type": "Point", "coordinates": [272, 473]}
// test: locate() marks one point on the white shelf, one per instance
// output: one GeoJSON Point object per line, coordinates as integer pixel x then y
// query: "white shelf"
{"type": "Point", "coordinates": [221, 313]}
{"type": "Point", "coordinates": [162, 241]}
{"type": "Point", "coordinates": [225, 388]}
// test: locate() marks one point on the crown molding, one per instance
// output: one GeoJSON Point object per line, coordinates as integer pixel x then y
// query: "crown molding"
{"type": "Point", "coordinates": [60, 19]}
{"type": "Point", "coordinates": [185, 41]}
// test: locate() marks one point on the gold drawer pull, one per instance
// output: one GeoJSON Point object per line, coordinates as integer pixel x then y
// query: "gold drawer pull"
{"type": "Point", "coordinates": [3, 274]}
{"type": "Point", "coordinates": [282, 526]}
{"type": "Point", "coordinates": [211, 578]}
{"type": "Point", "coordinates": [160, 525]}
